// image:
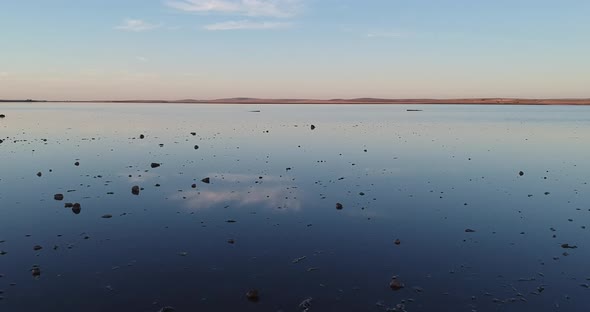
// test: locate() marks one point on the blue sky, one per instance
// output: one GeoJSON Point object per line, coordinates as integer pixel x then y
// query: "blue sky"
{"type": "Point", "coordinates": [175, 49]}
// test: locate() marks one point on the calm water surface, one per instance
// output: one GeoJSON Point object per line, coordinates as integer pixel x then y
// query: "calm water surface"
{"type": "Point", "coordinates": [422, 178]}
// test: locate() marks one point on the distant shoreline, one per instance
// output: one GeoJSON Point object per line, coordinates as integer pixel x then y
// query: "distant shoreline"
{"type": "Point", "coordinates": [358, 101]}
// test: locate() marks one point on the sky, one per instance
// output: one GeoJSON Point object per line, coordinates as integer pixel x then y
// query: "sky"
{"type": "Point", "coordinates": [208, 49]}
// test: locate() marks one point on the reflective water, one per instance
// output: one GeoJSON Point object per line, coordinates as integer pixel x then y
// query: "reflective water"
{"type": "Point", "coordinates": [422, 178]}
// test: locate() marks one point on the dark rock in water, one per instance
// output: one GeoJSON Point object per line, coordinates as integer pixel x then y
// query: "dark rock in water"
{"type": "Point", "coordinates": [521, 173]}
{"type": "Point", "coordinates": [77, 164]}
{"type": "Point", "coordinates": [58, 196]}
{"type": "Point", "coordinates": [155, 165]}
{"type": "Point", "coordinates": [39, 174]}
{"type": "Point", "coordinates": [36, 271]}
{"type": "Point", "coordinates": [231, 241]}
{"type": "Point", "coordinates": [135, 190]}
{"type": "Point", "coordinates": [194, 186]}
{"type": "Point", "coordinates": [1, 140]}
{"type": "Point", "coordinates": [395, 284]}
{"type": "Point", "coordinates": [397, 242]}
{"type": "Point", "coordinates": [76, 209]}
{"type": "Point", "coordinates": [413, 110]}
{"type": "Point", "coordinates": [231, 221]}
{"type": "Point", "coordinates": [68, 205]}
{"type": "Point", "coordinates": [305, 305]}
{"type": "Point", "coordinates": [339, 206]}
{"type": "Point", "coordinates": [469, 231]}
{"type": "Point", "coordinates": [37, 247]}
{"type": "Point", "coordinates": [167, 309]}
{"type": "Point", "coordinates": [141, 136]}
{"type": "Point", "coordinates": [193, 133]}
{"type": "Point", "coordinates": [2, 116]}
{"type": "Point", "coordinates": [312, 127]}
{"type": "Point", "coordinates": [107, 216]}
{"type": "Point", "coordinates": [568, 246]}
{"type": "Point", "coordinates": [196, 147]}
{"type": "Point", "coordinates": [253, 295]}
{"type": "Point", "coordinates": [206, 180]}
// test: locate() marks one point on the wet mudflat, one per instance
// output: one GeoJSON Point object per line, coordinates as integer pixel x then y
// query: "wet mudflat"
{"type": "Point", "coordinates": [110, 207]}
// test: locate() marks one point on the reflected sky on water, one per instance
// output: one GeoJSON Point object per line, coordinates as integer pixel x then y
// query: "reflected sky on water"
{"type": "Point", "coordinates": [421, 177]}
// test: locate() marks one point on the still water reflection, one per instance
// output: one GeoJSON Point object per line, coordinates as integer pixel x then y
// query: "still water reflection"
{"type": "Point", "coordinates": [267, 218]}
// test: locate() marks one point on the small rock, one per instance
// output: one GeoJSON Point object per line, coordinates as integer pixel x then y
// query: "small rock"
{"type": "Point", "coordinates": [37, 247]}
{"type": "Point", "coordinates": [155, 165]}
{"type": "Point", "coordinates": [312, 127]}
{"type": "Point", "coordinates": [68, 205]}
{"type": "Point", "coordinates": [194, 186]}
{"type": "Point", "coordinates": [39, 174]}
{"type": "Point", "coordinates": [107, 216]}
{"type": "Point", "coordinates": [58, 196]}
{"type": "Point", "coordinates": [305, 305]}
{"type": "Point", "coordinates": [521, 173]}
{"type": "Point", "coordinates": [36, 272]}
{"type": "Point", "coordinates": [206, 180]}
{"type": "Point", "coordinates": [196, 147]}
{"type": "Point", "coordinates": [397, 242]}
{"type": "Point", "coordinates": [469, 231]}
{"type": "Point", "coordinates": [395, 284]}
{"type": "Point", "coordinates": [77, 164]}
{"type": "Point", "coordinates": [135, 190]}
{"type": "Point", "coordinates": [231, 241]}
{"type": "Point", "coordinates": [253, 295]}
{"type": "Point", "coordinates": [339, 206]}
{"type": "Point", "coordinates": [141, 136]}
{"type": "Point", "coordinates": [568, 246]}
{"type": "Point", "coordinates": [2, 116]}
{"type": "Point", "coordinates": [76, 209]}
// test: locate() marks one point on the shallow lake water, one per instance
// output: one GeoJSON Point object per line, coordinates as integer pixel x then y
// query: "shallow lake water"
{"type": "Point", "coordinates": [471, 208]}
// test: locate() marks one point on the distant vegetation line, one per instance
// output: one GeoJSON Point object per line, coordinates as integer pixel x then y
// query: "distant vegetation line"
{"type": "Point", "coordinates": [242, 100]}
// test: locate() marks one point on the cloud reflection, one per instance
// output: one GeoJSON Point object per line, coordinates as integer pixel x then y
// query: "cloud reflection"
{"type": "Point", "coordinates": [271, 192]}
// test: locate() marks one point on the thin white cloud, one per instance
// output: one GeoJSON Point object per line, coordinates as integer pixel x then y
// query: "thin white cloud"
{"type": "Point", "coordinates": [137, 25]}
{"type": "Point", "coordinates": [245, 24]}
{"type": "Point", "coordinates": [385, 34]}
{"type": "Point", "coordinates": [264, 8]}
